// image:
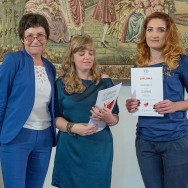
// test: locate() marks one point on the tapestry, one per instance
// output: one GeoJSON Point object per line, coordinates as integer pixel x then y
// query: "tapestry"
{"type": "Point", "coordinates": [114, 25]}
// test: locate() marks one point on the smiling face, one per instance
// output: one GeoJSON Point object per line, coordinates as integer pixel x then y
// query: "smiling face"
{"type": "Point", "coordinates": [36, 47]}
{"type": "Point", "coordinates": [84, 60]}
{"type": "Point", "coordinates": [156, 34]}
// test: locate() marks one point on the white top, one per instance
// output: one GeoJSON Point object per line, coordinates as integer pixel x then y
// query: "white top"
{"type": "Point", "coordinates": [40, 118]}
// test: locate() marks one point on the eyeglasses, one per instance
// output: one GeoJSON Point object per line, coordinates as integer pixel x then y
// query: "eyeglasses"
{"type": "Point", "coordinates": [40, 37]}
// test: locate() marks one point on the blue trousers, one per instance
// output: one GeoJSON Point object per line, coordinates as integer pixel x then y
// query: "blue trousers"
{"type": "Point", "coordinates": [163, 164]}
{"type": "Point", "coordinates": [25, 160]}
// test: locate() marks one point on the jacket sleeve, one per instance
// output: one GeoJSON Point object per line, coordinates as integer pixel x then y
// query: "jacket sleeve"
{"type": "Point", "coordinates": [59, 91]}
{"type": "Point", "coordinates": [8, 69]}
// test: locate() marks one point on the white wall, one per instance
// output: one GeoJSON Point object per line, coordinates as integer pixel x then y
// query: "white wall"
{"type": "Point", "coordinates": [126, 172]}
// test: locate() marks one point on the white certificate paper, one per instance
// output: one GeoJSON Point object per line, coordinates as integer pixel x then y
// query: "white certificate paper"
{"type": "Point", "coordinates": [106, 97]}
{"type": "Point", "coordinates": [147, 86]}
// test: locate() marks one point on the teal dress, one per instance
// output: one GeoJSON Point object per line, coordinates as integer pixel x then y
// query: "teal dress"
{"type": "Point", "coordinates": [82, 161]}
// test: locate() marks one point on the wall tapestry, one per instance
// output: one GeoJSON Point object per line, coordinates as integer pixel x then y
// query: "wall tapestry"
{"type": "Point", "coordinates": [114, 25]}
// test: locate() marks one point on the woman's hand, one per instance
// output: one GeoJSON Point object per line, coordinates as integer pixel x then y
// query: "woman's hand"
{"type": "Point", "coordinates": [103, 114]}
{"type": "Point", "coordinates": [78, 128]}
{"type": "Point", "coordinates": [84, 129]}
{"type": "Point", "coordinates": [166, 106]}
{"type": "Point", "coordinates": [132, 105]}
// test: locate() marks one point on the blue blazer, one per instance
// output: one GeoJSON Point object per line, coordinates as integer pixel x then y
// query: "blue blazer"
{"type": "Point", "coordinates": [17, 93]}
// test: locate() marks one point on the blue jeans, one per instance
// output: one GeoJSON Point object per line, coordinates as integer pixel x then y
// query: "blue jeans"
{"type": "Point", "coordinates": [25, 160]}
{"type": "Point", "coordinates": [163, 164]}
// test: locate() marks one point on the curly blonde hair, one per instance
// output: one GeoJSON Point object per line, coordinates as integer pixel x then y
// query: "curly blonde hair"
{"type": "Point", "coordinates": [172, 49]}
{"type": "Point", "coordinates": [71, 80]}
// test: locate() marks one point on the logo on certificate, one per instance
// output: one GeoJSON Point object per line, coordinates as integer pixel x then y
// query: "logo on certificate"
{"type": "Point", "coordinates": [109, 105]}
{"type": "Point", "coordinates": [146, 104]}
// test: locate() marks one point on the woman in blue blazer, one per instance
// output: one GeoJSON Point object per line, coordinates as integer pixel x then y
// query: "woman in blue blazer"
{"type": "Point", "coordinates": [27, 130]}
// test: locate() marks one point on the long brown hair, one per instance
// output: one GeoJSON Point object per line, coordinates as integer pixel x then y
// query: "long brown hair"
{"type": "Point", "coordinates": [72, 83]}
{"type": "Point", "coordinates": [172, 49]}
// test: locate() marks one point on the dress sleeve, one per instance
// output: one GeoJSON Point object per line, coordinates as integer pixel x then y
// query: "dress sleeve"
{"type": "Point", "coordinates": [58, 98]}
{"type": "Point", "coordinates": [8, 70]}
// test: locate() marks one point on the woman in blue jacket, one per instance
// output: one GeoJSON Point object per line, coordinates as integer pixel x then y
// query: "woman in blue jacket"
{"type": "Point", "coordinates": [27, 131]}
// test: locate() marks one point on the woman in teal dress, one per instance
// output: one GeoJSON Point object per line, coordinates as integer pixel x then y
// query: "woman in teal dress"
{"type": "Point", "coordinates": [83, 155]}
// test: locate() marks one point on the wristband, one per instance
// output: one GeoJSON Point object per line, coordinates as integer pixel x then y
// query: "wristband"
{"type": "Point", "coordinates": [111, 124]}
{"type": "Point", "coordinates": [69, 127]}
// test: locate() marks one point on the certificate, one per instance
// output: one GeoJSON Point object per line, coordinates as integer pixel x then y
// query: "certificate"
{"type": "Point", "coordinates": [106, 98]}
{"type": "Point", "coordinates": [147, 86]}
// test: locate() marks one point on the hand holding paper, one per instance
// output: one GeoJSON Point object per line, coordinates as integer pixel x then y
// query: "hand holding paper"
{"type": "Point", "coordinates": [105, 98]}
